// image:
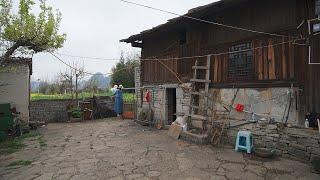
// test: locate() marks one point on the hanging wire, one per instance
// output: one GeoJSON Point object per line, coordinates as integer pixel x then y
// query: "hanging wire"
{"type": "Point", "coordinates": [206, 21]}
{"type": "Point", "coordinates": [89, 73]}
{"type": "Point", "coordinates": [197, 56]}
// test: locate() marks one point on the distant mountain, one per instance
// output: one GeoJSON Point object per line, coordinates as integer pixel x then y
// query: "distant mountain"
{"type": "Point", "coordinates": [34, 86]}
{"type": "Point", "coordinates": [101, 80]}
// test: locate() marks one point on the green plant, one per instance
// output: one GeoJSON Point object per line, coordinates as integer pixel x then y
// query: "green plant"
{"type": "Point", "coordinates": [127, 97]}
{"type": "Point", "coordinates": [12, 145]}
{"type": "Point", "coordinates": [20, 163]}
{"type": "Point", "coordinates": [76, 112]}
{"type": "Point", "coordinates": [42, 142]}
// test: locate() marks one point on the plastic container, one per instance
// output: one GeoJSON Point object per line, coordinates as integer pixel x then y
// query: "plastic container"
{"type": "Point", "coordinates": [306, 123]}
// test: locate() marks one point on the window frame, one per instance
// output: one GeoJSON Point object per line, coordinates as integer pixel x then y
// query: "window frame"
{"type": "Point", "coordinates": [241, 62]}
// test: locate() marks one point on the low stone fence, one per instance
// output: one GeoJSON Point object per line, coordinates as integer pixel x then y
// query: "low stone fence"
{"type": "Point", "coordinates": [300, 144]}
{"type": "Point", "coordinates": [49, 110]}
{"type": "Point", "coordinates": [56, 110]}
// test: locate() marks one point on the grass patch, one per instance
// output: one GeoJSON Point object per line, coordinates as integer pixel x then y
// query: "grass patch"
{"type": "Point", "coordinates": [12, 145]}
{"type": "Point", "coordinates": [20, 163]}
{"type": "Point", "coordinates": [42, 142]}
{"type": "Point", "coordinates": [127, 97]}
{"type": "Point", "coordinates": [82, 95]}
{"type": "Point", "coordinates": [30, 135]}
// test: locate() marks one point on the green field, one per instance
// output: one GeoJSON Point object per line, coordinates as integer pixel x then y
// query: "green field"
{"type": "Point", "coordinates": [127, 97]}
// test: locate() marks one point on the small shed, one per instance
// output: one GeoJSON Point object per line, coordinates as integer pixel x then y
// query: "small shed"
{"type": "Point", "coordinates": [15, 85]}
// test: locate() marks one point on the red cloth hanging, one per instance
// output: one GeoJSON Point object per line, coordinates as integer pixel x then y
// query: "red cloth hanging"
{"type": "Point", "coordinates": [148, 96]}
{"type": "Point", "coordinates": [239, 107]}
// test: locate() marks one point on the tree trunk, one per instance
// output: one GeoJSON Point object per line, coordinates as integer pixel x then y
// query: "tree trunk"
{"type": "Point", "coordinates": [16, 45]}
{"type": "Point", "coordinates": [10, 51]}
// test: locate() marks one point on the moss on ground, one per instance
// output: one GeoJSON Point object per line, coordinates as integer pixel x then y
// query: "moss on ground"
{"type": "Point", "coordinates": [12, 145]}
{"type": "Point", "coordinates": [20, 163]}
{"type": "Point", "coordinates": [42, 142]}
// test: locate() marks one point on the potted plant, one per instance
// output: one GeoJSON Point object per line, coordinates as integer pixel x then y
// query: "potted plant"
{"type": "Point", "coordinates": [76, 114]}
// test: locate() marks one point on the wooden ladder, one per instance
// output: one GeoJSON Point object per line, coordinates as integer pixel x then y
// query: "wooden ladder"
{"type": "Point", "coordinates": [194, 104]}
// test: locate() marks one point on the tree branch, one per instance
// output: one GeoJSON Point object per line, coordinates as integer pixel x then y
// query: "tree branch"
{"type": "Point", "coordinates": [18, 44]}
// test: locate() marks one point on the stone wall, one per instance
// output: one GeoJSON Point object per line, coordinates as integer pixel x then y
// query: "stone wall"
{"type": "Point", "coordinates": [56, 110]}
{"type": "Point", "coordinates": [159, 102]}
{"type": "Point", "coordinates": [300, 144]}
{"type": "Point", "coordinates": [49, 110]}
{"type": "Point", "coordinates": [138, 89]}
{"type": "Point", "coordinates": [267, 103]}
{"type": "Point", "coordinates": [183, 101]}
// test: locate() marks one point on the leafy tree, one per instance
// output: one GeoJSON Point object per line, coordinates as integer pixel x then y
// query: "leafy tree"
{"type": "Point", "coordinates": [123, 72]}
{"type": "Point", "coordinates": [44, 87]}
{"type": "Point", "coordinates": [27, 33]}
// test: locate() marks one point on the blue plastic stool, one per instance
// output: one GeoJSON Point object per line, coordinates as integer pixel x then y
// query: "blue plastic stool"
{"type": "Point", "coordinates": [244, 141]}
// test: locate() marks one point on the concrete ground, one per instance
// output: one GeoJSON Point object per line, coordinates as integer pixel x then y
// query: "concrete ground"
{"type": "Point", "coordinates": [115, 149]}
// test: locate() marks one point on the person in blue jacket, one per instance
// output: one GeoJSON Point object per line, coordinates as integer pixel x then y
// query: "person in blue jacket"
{"type": "Point", "coordinates": [118, 104]}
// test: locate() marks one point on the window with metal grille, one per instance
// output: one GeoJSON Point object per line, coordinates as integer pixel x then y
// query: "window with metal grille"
{"type": "Point", "coordinates": [241, 62]}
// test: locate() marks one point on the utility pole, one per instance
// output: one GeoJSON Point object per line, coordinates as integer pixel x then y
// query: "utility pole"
{"type": "Point", "coordinates": [71, 83]}
{"type": "Point", "coordinates": [38, 86]}
{"type": "Point", "coordinates": [77, 75]}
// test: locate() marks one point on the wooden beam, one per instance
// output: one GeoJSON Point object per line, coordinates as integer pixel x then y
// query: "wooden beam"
{"type": "Point", "coordinates": [136, 44]}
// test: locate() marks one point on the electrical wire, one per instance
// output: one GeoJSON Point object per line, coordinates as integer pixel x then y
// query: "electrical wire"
{"type": "Point", "coordinates": [206, 21]}
{"type": "Point", "coordinates": [198, 56]}
{"type": "Point", "coordinates": [88, 73]}
{"type": "Point", "coordinates": [87, 57]}
{"type": "Point", "coordinates": [224, 53]}
{"type": "Point", "coordinates": [171, 70]}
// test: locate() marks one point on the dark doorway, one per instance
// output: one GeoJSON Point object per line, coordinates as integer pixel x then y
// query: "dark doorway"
{"type": "Point", "coordinates": [172, 105]}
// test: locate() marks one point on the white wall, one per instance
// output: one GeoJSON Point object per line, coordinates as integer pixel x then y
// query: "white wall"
{"type": "Point", "coordinates": [16, 88]}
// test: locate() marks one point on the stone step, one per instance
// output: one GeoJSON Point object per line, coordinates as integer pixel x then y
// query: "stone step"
{"type": "Point", "coordinates": [195, 116]}
{"type": "Point", "coordinates": [195, 138]}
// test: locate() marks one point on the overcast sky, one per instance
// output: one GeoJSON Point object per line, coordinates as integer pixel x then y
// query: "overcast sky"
{"type": "Point", "coordinates": [95, 27]}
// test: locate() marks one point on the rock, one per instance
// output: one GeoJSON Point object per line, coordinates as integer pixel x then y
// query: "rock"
{"type": "Point", "coordinates": [134, 176]}
{"type": "Point", "coordinates": [46, 176]}
{"type": "Point", "coordinates": [154, 174]}
{"type": "Point", "coordinates": [272, 127]}
{"type": "Point", "coordinates": [274, 135]}
{"type": "Point", "coordinates": [315, 161]}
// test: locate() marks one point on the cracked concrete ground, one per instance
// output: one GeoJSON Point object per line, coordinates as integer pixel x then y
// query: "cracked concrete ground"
{"type": "Point", "coordinates": [116, 149]}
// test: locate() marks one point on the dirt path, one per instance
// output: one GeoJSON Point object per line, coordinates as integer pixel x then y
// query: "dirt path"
{"type": "Point", "coordinates": [110, 149]}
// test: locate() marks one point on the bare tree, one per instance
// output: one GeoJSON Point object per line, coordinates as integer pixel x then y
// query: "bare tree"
{"type": "Point", "coordinates": [79, 74]}
{"type": "Point", "coordinates": [72, 77]}
{"type": "Point", "coordinates": [67, 78]}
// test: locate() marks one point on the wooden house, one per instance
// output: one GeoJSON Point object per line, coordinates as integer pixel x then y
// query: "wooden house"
{"type": "Point", "coordinates": [263, 73]}
{"type": "Point", "coordinates": [270, 44]}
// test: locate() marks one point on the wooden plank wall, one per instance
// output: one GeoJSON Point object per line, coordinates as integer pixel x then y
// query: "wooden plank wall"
{"type": "Point", "coordinates": [269, 63]}
{"type": "Point", "coordinates": [275, 61]}
{"type": "Point", "coordinates": [155, 72]}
